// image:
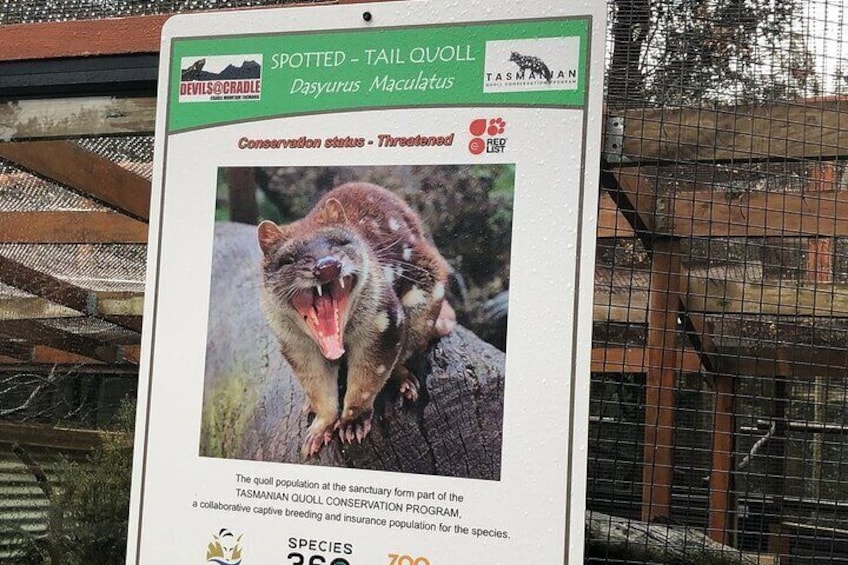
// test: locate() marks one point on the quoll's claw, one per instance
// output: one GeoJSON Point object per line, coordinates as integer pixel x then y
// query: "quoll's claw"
{"type": "Point", "coordinates": [312, 445]}
{"type": "Point", "coordinates": [317, 436]}
{"type": "Point", "coordinates": [409, 389]}
{"type": "Point", "coordinates": [355, 430]}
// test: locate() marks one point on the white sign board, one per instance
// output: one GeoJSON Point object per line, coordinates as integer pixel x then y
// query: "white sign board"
{"type": "Point", "coordinates": [334, 187]}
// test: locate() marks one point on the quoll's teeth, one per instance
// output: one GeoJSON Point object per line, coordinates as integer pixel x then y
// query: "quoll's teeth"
{"type": "Point", "coordinates": [320, 292]}
{"type": "Point", "coordinates": [341, 281]}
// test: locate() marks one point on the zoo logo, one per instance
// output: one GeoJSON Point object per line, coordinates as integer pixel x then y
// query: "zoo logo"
{"type": "Point", "coordinates": [537, 67]}
{"type": "Point", "coordinates": [493, 128]}
{"type": "Point", "coordinates": [221, 78]}
{"type": "Point", "coordinates": [224, 549]}
{"type": "Point", "coordinates": [521, 65]}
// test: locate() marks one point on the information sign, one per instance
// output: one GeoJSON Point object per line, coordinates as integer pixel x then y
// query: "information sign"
{"type": "Point", "coordinates": [367, 328]}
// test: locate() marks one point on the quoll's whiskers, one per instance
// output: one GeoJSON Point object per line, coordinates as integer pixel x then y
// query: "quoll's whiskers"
{"type": "Point", "coordinates": [388, 246]}
{"type": "Point", "coordinates": [407, 266]}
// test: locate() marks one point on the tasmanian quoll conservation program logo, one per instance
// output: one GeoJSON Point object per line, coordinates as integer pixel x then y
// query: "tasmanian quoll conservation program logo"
{"type": "Point", "coordinates": [224, 549]}
{"type": "Point", "coordinates": [488, 135]}
{"type": "Point", "coordinates": [220, 78]}
{"type": "Point", "coordinates": [520, 65]}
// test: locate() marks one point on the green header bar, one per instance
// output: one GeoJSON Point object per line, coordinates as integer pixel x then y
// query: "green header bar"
{"type": "Point", "coordinates": [241, 78]}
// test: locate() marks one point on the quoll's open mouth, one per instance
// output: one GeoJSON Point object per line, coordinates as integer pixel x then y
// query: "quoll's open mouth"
{"type": "Point", "coordinates": [323, 307]}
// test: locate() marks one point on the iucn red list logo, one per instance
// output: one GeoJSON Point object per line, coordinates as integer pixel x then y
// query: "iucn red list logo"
{"type": "Point", "coordinates": [487, 132]}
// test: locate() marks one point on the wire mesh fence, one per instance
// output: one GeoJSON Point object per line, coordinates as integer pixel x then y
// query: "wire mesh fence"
{"type": "Point", "coordinates": [718, 387]}
{"type": "Point", "coordinates": [17, 12]}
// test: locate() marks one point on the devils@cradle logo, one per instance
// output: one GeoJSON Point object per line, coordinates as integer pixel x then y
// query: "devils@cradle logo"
{"type": "Point", "coordinates": [487, 134]}
{"type": "Point", "coordinates": [224, 549]}
{"type": "Point", "coordinates": [221, 78]}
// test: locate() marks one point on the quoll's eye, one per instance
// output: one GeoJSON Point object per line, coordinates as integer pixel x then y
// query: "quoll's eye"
{"type": "Point", "coordinates": [284, 261]}
{"type": "Point", "coordinates": [342, 241]}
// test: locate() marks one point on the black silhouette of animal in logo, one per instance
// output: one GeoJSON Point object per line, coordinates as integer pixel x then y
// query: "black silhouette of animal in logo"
{"type": "Point", "coordinates": [534, 64]}
{"type": "Point", "coordinates": [194, 70]}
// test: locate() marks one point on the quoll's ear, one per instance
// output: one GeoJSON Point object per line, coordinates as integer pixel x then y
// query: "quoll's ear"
{"type": "Point", "coordinates": [269, 235]}
{"type": "Point", "coordinates": [332, 212]}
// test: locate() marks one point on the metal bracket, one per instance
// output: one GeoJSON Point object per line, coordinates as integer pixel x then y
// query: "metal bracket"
{"type": "Point", "coordinates": [614, 140]}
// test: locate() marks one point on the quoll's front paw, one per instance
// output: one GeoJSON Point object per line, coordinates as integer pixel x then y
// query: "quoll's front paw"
{"type": "Point", "coordinates": [319, 434]}
{"type": "Point", "coordinates": [355, 425]}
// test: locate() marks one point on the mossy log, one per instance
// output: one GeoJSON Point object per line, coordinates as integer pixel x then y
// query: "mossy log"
{"type": "Point", "coordinates": [253, 403]}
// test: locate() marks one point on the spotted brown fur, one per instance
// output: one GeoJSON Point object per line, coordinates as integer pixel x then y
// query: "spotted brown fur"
{"type": "Point", "coordinates": [333, 286]}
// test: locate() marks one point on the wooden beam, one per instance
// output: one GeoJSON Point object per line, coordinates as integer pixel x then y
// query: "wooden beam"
{"type": "Point", "coordinates": [660, 381]}
{"type": "Point", "coordinates": [133, 323]}
{"type": "Point", "coordinates": [71, 165]}
{"type": "Point", "coordinates": [52, 356]}
{"type": "Point", "coordinates": [635, 198]}
{"type": "Point", "coordinates": [46, 286]}
{"type": "Point", "coordinates": [806, 129]}
{"type": "Point", "coordinates": [120, 304]}
{"type": "Point", "coordinates": [611, 223]}
{"type": "Point", "coordinates": [49, 436]}
{"type": "Point", "coordinates": [122, 309]}
{"type": "Point", "coordinates": [66, 300]}
{"type": "Point", "coordinates": [786, 362]}
{"type": "Point", "coordinates": [33, 307]}
{"type": "Point", "coordinates": [16, 350]}
{"type": "Point", "coordinates": [75, 117]}
{"type": "Point", "coordinates": [700, 333]}
{"type": "Point", "coordinates": [790, 361]}
{"type": "Point", "coordinates": [70, 227]}
{"type": "Point", "coordinates": [626, 300]}
{"type": "Point", "coordinates": [707, 213]}
{"type": "Point", "coordinates": [132, 354]}
{"type": "Point", "coordinates": [37, 333]}
{"type": "Point", "coordinates": [85, 38]}
{"type": "Point", "coordinates": [106, 305]}
{"type": "Point", "coordinates": [634, 360]}
{"type": "Point", "coordinates": [45, 355]}
{"type": "Point", "coordinates": [81, 38]}
{"type": "Point", "coordinates": [777, 298]}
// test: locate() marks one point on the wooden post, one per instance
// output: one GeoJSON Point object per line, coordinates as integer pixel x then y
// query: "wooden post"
{"type": "Point", "coordinates": [819, 270]}
{"type": "Point", "coordinates": [721, 473]}
{"type": "Point", "coordinates": [660, 380]}
{"type": "Point", "coordinates": [775, 449]}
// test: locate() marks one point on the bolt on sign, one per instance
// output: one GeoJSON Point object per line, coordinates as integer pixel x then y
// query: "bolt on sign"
{"type": "Point", "coordinates": [368, 317]}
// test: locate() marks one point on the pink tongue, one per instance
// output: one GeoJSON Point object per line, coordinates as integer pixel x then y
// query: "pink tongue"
{"type": "Point", "coordinates": [329, 336]}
